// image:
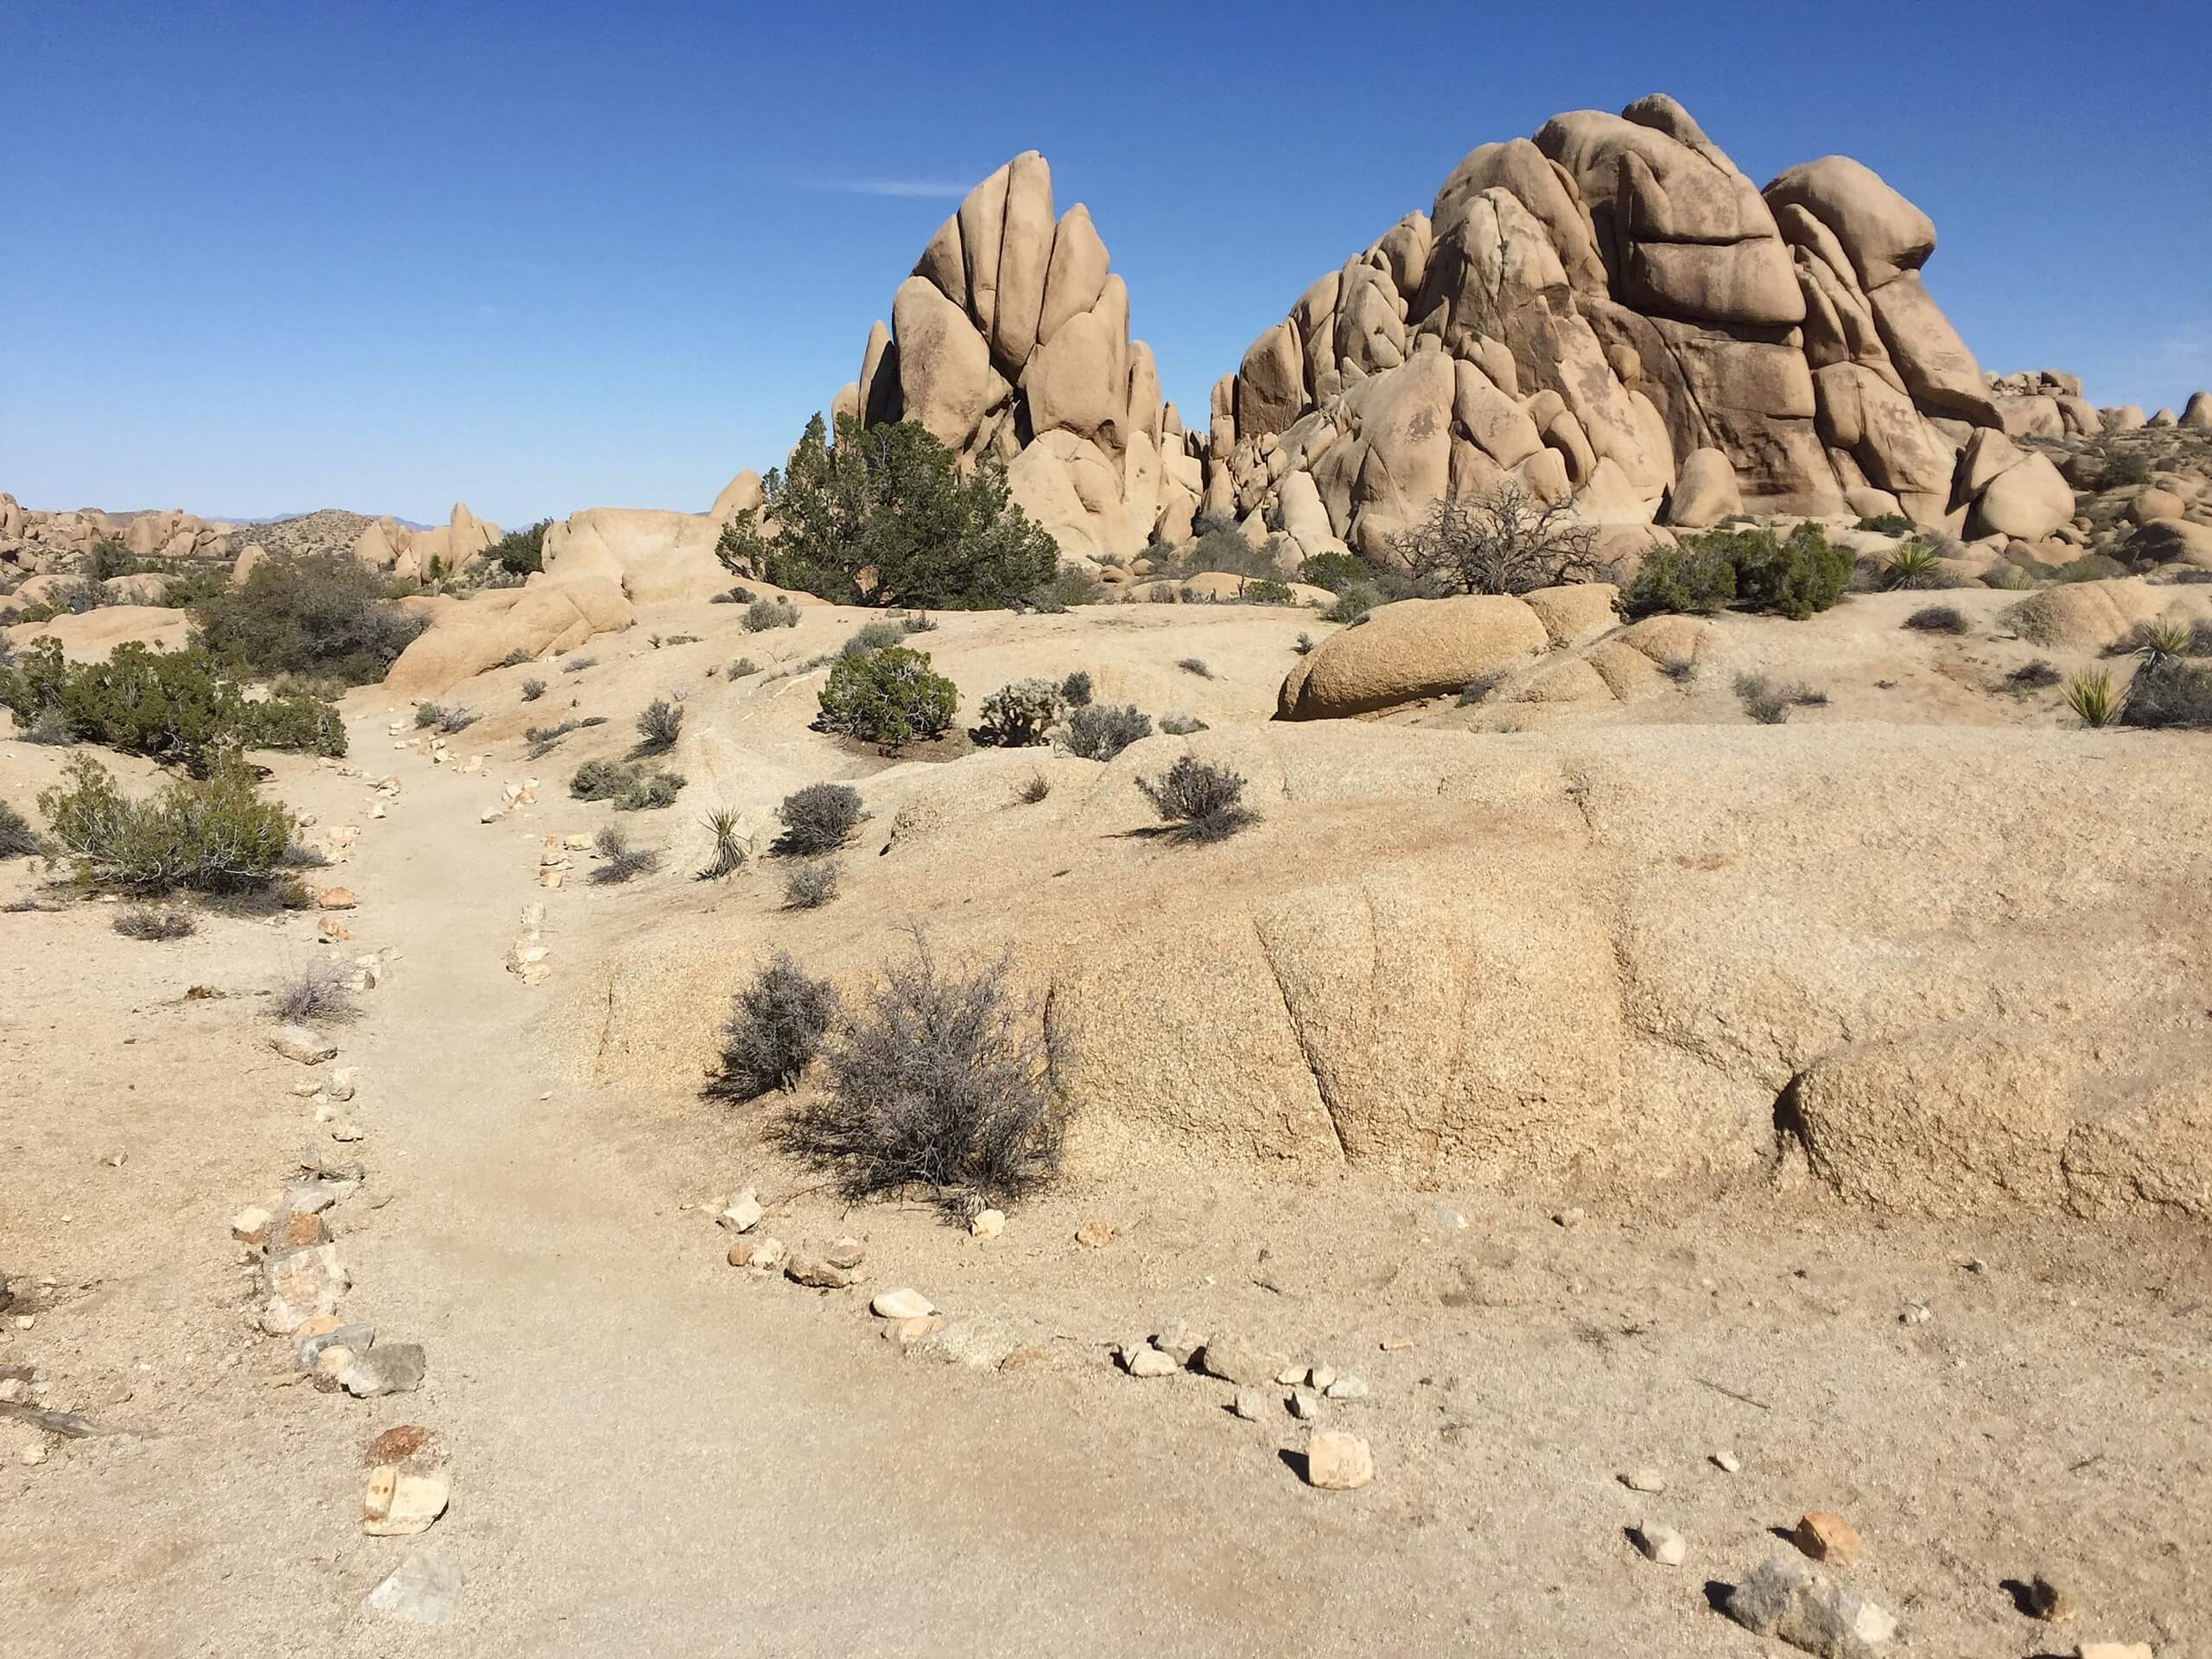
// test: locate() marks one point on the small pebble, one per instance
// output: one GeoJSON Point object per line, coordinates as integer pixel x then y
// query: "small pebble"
{"type": "Point", "coordinates": [1450, 1219]}
{"type": "Point", "coordinates": [1292, 1376]}
{"type": "Point", "coordinates": [988, 1224]}
{"type": "Point", "coordinates": [32, 1455]}
{"type": "Point", "coordinates": [1663, 1544]}
{"type": "Point", "coordinates": [2049, 1601]}
{"type": "Point", "coordinates": [901, 1304]}
{"type": "Point", "coordinates": [1728, 1463]}
{"type": "Point", "coordinates": [1337, 1462]}
{"type": "Point", "coordinates": [1346, 1388]}
{"type": "Point", "coordinates": [1149, 1361]}
{"type": "Point", "coordinates": [1915, 1314]}
{"type": "Point", "coordinates": [1569, 1219]}
{"type": "Point", "coordinates": [1320, 1377]}
{"type": "Point", "coordinates": [1247, 1404]}
{"type": "Point", "coordinates": [1644, 1480]}
{"type": "Point", "coordinates": [1827, 1537]}
{"type": "Point", "coordinates": [1305, 1405]}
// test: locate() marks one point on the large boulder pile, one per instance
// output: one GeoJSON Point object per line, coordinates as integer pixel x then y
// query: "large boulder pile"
{"type": "Point", "coordinates": [1586, 311]}
{"type": "Point", "coordinates": [48, 543]}
{"type": "Point", "coordinates": [408, 554]}
{"type": "Point", "coordinates": [1012, 339]}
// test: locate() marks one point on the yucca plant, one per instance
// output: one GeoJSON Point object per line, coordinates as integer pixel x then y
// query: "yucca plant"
{"type": "Point", "coordinates": [729, 857]}
{"type": "Point", "coordinates": [1913, 564]}
{"type": "Point", "coordinates": [2162, 642]}
{"type": "Point", "coordinates": [2091, 698]}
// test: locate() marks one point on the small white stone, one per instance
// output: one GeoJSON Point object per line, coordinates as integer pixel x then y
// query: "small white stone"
{"type": "Point", "coordinates": [1292, 1376]}
{"type": "Point", "coordinates": [1728, 1463]}
{"type": "Point", "coordinates": [1305, 1405]}
{"type": "Point", "coordinates": [1449, 1218]}
{"type": "Point", "coordinates": [1346, 1388]}
{"type": "Point", "coordinates": [1247, 1404]}
{"type": "Point", "coordinates": [1915, 1314]}
{"type": "Point", "coordinates": [1149, 1361]}
{"type": "Point", "coordinates": [24, 1321]}
{"type": "Point", "coordinates": [1320, 1377]}
{"type": "Point", "coordinates": [32, 1455]}
{"type": "Point", "coordinates": [988, 1224]}
{"type": "Point", "coordinates": [744, 1212]}
{"type": "Point", "coordinates": [1663, 1544]}
{"type": "Point", "coordinates": [1644, 1480]}
{"type": "Point", "coordinates": [901, 1304]}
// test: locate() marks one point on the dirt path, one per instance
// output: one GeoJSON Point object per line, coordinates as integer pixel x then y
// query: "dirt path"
{"type": "Point", "coordinates": [653, 1453]}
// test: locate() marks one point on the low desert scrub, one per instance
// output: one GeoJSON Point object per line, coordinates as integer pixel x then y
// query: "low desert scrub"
{"type": "Point", "coordinates": [775, 1029]}
{"type": "Point", "coordinates": [1888, 523]}
{"type": "Point", "coordinates": [1680, 670]}
{"type": "Point", "coordinates": [887, 696]}
{"type": "Point", "coordinates": [1035, 788]}
{"type": "Point", "coordinates": [212, 835]}
{"type": "Point", "coordinates": [577, 664]}
{"type": "Point", "coordinates": [1769, 702]}
{"type": "Point", "coordinates": [17, 838]}
{"type": "Point", "coordinates": [1354, 600]}
{"type": "Point", "coordinates": [2169, 692]}
{"type": "Point", "coordinates": [2036, 675]}
{"type": "Point", "coordinates": [813, 883]}
{"type": "Point", "coordinates": [1334, 571]}
{"type": "Point", "coordinates": [1691, 580]}
{"type": "Point", "coordinates": [819, 818]}
{"type": "Point", "coordinates": [434, 717]}
{"type": "Point", "coordinates": [514, 659]}
{"type": "Point", "coordinates": [1506, 541]}
{"type": "Point", "coordinates": [532, 691]}
{"type": "Point", "coordinates": [1202, 803]}
{"type": "Point", "coordinates": [619, 862]}
{"type": "Point", "coordinates": [941, 1078]}
{"type": "Point", "coordinates": [1303, 645]}
{"type": "Point", "coordinates": [1479, 691]}
{"type": "Point", "coordinates": [763, 615]}
{"type": "Point", "coordinates": [2091, 698]}
{"type": "Point", "coordinates": [1074, 690]}
{"type": "Point", "coordinates": [728, 857]}
{"type": "Point", "coordinates": [1938, 619]}
{"type": "Point", "coordinates": [1264, 590]}
{"type": "Point", "coordinates": [659, 725]}
{"type": "Point", "coordinates": [632, 788]}
{"type": "Point", "coordinates": [741, 667]}
{"type": "Point", "coordinates": [1101, 731]}
{"type": "Point", "coordinates": [1182, 725]}
{"type": "Point", "coordinates": [316, 990]}
{"type": "Point", "coordinates": [1792, 575]}
{"type": "Point", "coordinates": [150, 922]}
{"type": "Point", "coordinates": [49, 728]}
{"type": "Point", "coordinates": [173, 705]}
{"type": "Point", "coordinates": [1023, 713]}
{"type": "Point", "coordinates": [320, 613]}
{"type": "Point", "coordinates": [872, 635]}
{"type": "Point", "coordinates": [301, 856]}
{"type": "Point", "coordinates": [1196, 665]}
{"type": "Point", "coordinates": [734, 597]}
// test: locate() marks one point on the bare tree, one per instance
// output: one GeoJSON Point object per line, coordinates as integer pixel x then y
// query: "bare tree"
{"type": "Point", "coordinates": [1504, 541]}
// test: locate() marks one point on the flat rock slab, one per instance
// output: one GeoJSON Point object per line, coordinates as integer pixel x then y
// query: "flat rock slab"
{"type": "Point", "coordinates": [424, 1589]}
{"type": "Point", "coordinates": [1338, 1462]}
{"type": "Point", "coordinates": [393, 1368]}
{"type": "Point", "coordinates": [1234, 1358]}
{"type": "Point", "coordinates": [398, 1504]}
{"type": "Point", "coordinates": [298, 1043]}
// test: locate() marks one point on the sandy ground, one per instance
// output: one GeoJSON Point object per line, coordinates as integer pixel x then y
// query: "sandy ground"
{"type": "Point", "coordinates": [654, 1452]}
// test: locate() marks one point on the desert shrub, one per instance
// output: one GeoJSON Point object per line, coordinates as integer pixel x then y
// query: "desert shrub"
{"type": "Point", "coordinates": [886, 517]}
{"type": "Point", "coordinates": [1692, 579]}
{"type": "Point", "coordinates": [775, 1029]}
{"type": "Point", "coordinates": [872, 636]}
{"type": "Point", "coordinates": [49, 728]}
{"type": "Point", "coordinates": [1182, 725]}
{"type": "Point", "coordinates": [532, 691]}
{"type": "Point", "coordinates": [818, 818]}
{"type": "Point", "coordinates": [728, 857]}
{"type": "Point", "coordinates": [211, 835]}
{"type": "Point", "coordinates": [520, 552]}
{"type": "Point", "coordinates": [17, 838]}
{"type": "Point", "coordinates": [741, 667]}
{"type": "Point", "coordinates": [435, 716]}
{"type": "Point", "coordinates": [2090, 567]}
{"type": "Point", "coordinates": [1264, 590]}
{"type": "Point", "coordinates": [619, 862]}
{"type": "Point", "coordinates": [1479, 691]}
{"type": "Point", "coordinates": [1101, 731]}
{"type": "Point", "coordinates": [72, 598]}
{"type": "Point", "coordinates": [1023, 713]}
{"type": "Point", "coordinates": [1195, 665]}
{"type": "Point", "coordinates": [321, 614]}
{"type": "Point", "coordinates": [1303, 645]}
{"type": "Point", "coordinates": [1074, 690]}
{"type": "Point", "coordinates": [734, 597]}
{"type": "Point", "coordinates": [298, 855]}
{"type": "Point", "coordinates": [1202, 802]}
{"type": "Point", "coordinates": [632, 788]}
{"type": "Point", "coordinates": [1069, 587]}
{"type": "Point", "coordinates": [2169, 692]}
{"type": "Point", "coordinates": [1888, 523]}
{"type": "Point", "coordinates": [2091, 698]}
{"type": "Point", "coordinates": [2126, 467]}
{"type": "Point", "coordinates": [574, 664]}
{"type": "Point", "coordinates": [318, 989]}
{"type": "Point", "coordinates": [1770, 702]}
{"type": "Point", "coordinates": [763, 615]}
{"type": "Point", "coordinates": [188, 587]}
{"type": "Point", "coordinates": [887, 696]}
{"type": "Point", "coordinates": [2036, 676]}
{"type": "Point", "coordinates": [2008, 578]}
{"type": "Point", "coordinates": [1912, 564]}
{"type": "Point", "coordinates": [1227, 551]}
{"type": "Point", "coordinates": [1938, 619]}
{"type": "Point", "coordinates": [1334, 571]}
{"type": "Point", "coordinates": [1680, 670]}
{"type": "Point", "coordinates": [659, 725]}
{"type": "Point", "coordinates": [173, 705]}
{"type": "Point", "coordinates": [940, 1078]}
{"type": "Point", "coordinates": [1354, 602]}
{"type": "Point", "coordinates": [811, 883]}
{"type": "Point", "coordinates": [1505, 541]}
{"type": "Point", "coordinates": [1793, 575]}
{"type": "Point", "coordinates": [428, 715]}
{"type": "Point", "coordinates": [105, 559]}
{"type": "Point", "coordinates": [151, 922]}
{"type": "Point", "coordinates": [1035, 788]}
{"type": "Point", "coordinates": [514, 659]}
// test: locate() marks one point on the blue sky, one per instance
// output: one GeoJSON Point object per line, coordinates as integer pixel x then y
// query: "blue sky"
{"type": "Point", "coordinates": [266, 258]}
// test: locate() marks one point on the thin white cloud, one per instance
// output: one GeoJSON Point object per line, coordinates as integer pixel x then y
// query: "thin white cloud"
{"type": "Point", "coordinates": [927, 189]}
{"type": "Point", "coordinates": [2187, 350]}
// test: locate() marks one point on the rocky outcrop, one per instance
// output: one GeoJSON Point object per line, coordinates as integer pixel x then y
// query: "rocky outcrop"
{"type": "Point", "coordinates": [1585, 310]}
{"type": "Point", "coordinates": [415, 555]}
{"type": "Point", "coordinates": [1011, 340]}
